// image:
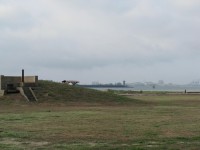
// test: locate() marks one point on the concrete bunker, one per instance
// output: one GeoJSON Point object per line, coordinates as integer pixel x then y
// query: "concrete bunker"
{"type": "Point", "coordinates": [19, 84]}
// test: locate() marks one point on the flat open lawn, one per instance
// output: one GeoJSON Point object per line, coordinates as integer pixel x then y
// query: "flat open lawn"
{"type": "Point", "coordinates": [159, 122]}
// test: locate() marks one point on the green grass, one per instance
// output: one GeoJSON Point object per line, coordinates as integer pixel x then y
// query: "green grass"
{"type": "Point", "coordinates": [103, 127]}
{"type": "Point", "coordinates": [68, 117]}
{"type": "Point", "coordinates": [51, 91]}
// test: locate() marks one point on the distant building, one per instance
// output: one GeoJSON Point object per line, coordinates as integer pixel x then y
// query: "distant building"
{"type": "Point", "coordinates": [118, 84]}
{"type": "Point", "coordinates": [95, 83]}
{"type": "Point", "coordinates": [124, 83]}
{"type": "Point", "coordinates": [161, 82]}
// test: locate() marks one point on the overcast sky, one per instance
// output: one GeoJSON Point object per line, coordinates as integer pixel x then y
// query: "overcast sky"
{"type": "Point", "coordinates": [101, 40]}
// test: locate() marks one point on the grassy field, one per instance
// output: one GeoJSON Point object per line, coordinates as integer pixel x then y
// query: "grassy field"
{"type": "Point", "coordinates": [142, 121]}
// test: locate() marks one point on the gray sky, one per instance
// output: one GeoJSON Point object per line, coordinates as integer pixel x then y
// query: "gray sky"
{"type": "Point", "coordinates": [101, 40]}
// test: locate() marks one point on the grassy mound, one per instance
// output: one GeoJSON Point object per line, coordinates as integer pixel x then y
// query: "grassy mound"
{"type": "Point", "coordinates": [59, 92]}
{"type": "Point", "coordinates": [50, 92]}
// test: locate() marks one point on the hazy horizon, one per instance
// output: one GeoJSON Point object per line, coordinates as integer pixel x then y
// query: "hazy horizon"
{"type": "Point", "coordinates": [101, 40]}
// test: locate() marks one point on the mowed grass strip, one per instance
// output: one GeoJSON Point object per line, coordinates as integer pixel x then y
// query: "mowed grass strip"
{"type": "Point", "coordinates": [107, 127]}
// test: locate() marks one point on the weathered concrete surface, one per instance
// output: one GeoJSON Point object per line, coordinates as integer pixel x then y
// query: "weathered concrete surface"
{"type": "Point", "coordinates": [28, 93]}
{"type": "Point", "coordinates": [16, 81]}
{"type": "Point", "coordinates": [1, 92]}
{"type": "Point", "coordinates": [22, 93]}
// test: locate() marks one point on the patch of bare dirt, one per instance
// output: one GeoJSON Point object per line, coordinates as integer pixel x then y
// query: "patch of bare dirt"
{"type": "Point", "coordinates": [12, 141]}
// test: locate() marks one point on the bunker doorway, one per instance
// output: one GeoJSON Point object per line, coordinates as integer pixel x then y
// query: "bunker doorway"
{"type": "Point", "coordinates": [10, 88]}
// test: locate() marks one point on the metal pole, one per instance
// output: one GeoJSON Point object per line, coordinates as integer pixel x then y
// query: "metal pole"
{"type": "Point", "coordinates": [23, 75]}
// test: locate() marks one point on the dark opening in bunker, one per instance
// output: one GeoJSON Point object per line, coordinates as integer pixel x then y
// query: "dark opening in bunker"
{"type": "Point", "coordinates": [10, 88]}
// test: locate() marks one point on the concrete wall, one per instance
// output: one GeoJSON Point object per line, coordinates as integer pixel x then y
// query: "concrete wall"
{"type": "Point", "coordinates": [1, 81]}
{"type": "Point", "coordinates": [1, 92]}
{"type": "Point", "coordinates": [31, 79]}
{"type": "Point", "coordinates": [16, 80]}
